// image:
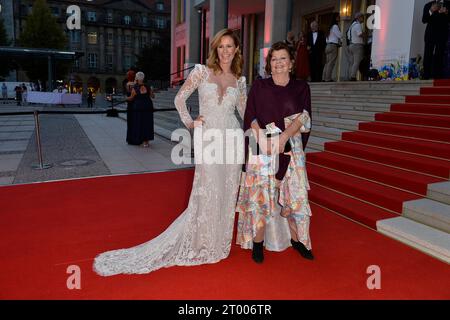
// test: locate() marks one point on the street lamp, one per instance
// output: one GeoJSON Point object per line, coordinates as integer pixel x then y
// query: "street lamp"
{"type": "Point", "coordinates": [346, 9]}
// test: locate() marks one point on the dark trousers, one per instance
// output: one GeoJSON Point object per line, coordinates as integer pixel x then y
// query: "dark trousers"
{"type": "Point", "coordinates": [316, 67]}
{"type": "Point", "coordinates": [433, 60]}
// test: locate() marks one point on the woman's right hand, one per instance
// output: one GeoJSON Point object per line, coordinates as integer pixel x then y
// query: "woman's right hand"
{"type": "Point", "coordinates": [198, 122]}
{"type": "Point", "coordinates": [265, 145]}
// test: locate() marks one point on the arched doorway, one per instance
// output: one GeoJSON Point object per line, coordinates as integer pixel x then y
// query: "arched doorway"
{"type": "Point", "coordinates": [111, 86]}
{"type": "Point", "coordinates": [75, 84]}
{"type": "Point", "coordinates": [93, 84]}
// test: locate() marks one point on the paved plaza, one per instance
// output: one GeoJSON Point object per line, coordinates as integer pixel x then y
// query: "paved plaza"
{"type": "Point", "coordinates": [75, 145]}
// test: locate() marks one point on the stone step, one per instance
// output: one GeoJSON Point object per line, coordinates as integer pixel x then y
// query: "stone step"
{"type": "Point", "coordinates": [354, 98]}
{"type": "Point", "coordinates": [432, 213]}
{"type": "Point", "coordinates": [162, 131]}
{"type": "Point", "coordinates": [360, 104]}
{"type": "Point", "coordinates": [367, 93]}
{"type": "Point", "coordinates": [345, 124]}
{"type": "Point", "coordinates": [376, 108]}
{"type": "Point", "coordinates": [439, 191]}
{"type": "Point", "coordinates": [424, 238]}
{"type": "Point", "coordinates": [326, 132]}
{"type": "Point", "coordinates": [373, 84]}
{"type": "Point", "coordinates": [317, 143]}
{"type": "Point", "coordinates": [344, 114]}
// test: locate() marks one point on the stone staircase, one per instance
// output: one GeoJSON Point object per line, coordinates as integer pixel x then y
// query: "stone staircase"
{"type": "Point", "coordinates": [338, 108]}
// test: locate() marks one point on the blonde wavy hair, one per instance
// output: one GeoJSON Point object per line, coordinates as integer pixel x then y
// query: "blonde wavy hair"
{"type": "Point", "coordinates": [213, 58]}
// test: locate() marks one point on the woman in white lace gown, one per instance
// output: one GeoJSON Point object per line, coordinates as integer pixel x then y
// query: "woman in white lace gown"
{"type": "Point", "coordinates": [203, 232]}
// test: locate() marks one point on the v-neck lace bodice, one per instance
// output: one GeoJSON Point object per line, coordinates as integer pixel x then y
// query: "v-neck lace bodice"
{"type": "Point", "coordinates": [213, 103]}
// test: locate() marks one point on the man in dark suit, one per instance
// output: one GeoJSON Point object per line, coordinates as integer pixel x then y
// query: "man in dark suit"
{"type": "Point", "coordinates": [435, 15]}
{"type": "Point", "coordinates": [316, 43]}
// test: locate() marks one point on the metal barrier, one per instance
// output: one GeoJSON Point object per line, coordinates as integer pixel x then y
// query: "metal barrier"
{"type": "Point", "coordinates": [112, 112]}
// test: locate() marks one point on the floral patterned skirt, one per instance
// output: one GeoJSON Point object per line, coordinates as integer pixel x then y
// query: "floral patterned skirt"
{"type": "Point", "coordinates": [262, 198]}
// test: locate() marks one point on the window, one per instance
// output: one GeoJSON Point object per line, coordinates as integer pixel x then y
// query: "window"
{"type": "Point", "coordinates": [155, 42]}
{"type": "Point", "coordinates": [144, 21]}
{"type": "Point", "coordinates": [110, 39]}
{"type": "Point", "coordinates": [74, 36]}
{"type": "Point", "coordinates": [109, 17]}
{"type": "Point", "coordinates": [160, 23]}
{"type": "Point", "coordinates": [76, 64]}
{"type": "Point", "coordinates": [92, 60]}
{"type": "Point", "coordinates": [127, 40]}
{"type": "Point", "coordinates": [109, 61]}
{"type": "Point", "coordinates": [55, 11]}
{"type": "Point", "coordinates": [143, 41]}
{"type": "Point", "coordinates": [127, 19]}
{"type": "Point", "coordinates": [127, 62]}
{"type": "Point", "coordinates": [92, 37]}
{"type": "Point", "coordinates": [160, 6]}
{"type": "Point", "coordinates": [92, 16]}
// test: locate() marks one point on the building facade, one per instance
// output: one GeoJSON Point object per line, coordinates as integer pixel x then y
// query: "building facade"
{"type": "Point", "coordinates": [263, 22]}
{"type": "Point", "coordinates": [113, 33]}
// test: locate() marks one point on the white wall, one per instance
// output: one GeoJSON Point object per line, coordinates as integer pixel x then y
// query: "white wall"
{"type": "Point", "coordinates": [400, 28]}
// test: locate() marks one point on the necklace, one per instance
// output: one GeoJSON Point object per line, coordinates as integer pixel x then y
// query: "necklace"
{"type": "Point", "coordinates": [279, 83]}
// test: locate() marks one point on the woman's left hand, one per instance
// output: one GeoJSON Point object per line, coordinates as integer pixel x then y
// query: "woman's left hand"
{"type": "Point", "coordinates": [278, 143]}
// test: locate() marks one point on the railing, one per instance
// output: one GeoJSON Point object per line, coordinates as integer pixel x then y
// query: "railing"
{"type": "Point", "coordinates": [163, 84]}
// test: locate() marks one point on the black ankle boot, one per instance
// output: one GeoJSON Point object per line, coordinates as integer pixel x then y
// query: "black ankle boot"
{"type": "Point", "coordinates": [305, 253]}
{"type": "Point", "coordinates": [258, 253]}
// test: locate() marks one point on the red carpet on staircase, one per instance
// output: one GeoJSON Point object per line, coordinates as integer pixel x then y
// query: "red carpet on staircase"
{"type": "Point", "coordinates": [48, 227]}
{"type": "Point", "coordinates": [388, 161]}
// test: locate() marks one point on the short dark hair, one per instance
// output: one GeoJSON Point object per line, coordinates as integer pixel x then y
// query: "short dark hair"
{"type": "Point", "coordinates": [277, 46]}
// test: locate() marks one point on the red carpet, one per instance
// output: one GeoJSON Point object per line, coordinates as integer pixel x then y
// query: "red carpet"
{"type": "Point", "coordinates": [371, 173]}
{"type": "Point", "coordinates": [428, 133]}
{"type": "Point", "coordinates": [434, 149]}
{"type": "Point", "coordinates": [47, 227]}
{"type": "Point", "coordinates": [435, 90]}
{"type": "Point", "coordinates": [372, 192]}
{"type": "Point", "coordinates": [421, 108]}
{"type": "Point", "coordinates": [376, 172]}
{"type": "Point", "coordinates": [434, 99]}
{"type": "Point", "coordinates": [418, 119]}
{"type": "Point", "coordinates": [415, 162]}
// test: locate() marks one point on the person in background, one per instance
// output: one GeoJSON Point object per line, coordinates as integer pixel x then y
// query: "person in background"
{"type": "Point", "coordinates": [302, 71]}
{"type": "Point", "coordinates": [4, 92]}
{"type": "Point", "coordinates": [142, 116]}
{"type": "Point", "coordinates": [290, 41]}
{"type": "Point", "coordinates": [316, 46]}
{"type": "Point", "coordinates": [90, 98]}
{"type": "Point", "coordinates": [436, 17]}
{"type": "Point", "coordinates": [333, 43]}
{"type": "Point", "coordinates": [355, 36]}
{"type": "Point", "coordinates": [24, 94]}
{"type": "Point", "coordinates": [18, 90]}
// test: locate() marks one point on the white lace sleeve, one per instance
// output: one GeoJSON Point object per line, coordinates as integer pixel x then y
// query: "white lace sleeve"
{"type": "Point", "coordinates": [242, 99]}
{"type": "Point", "coordinates": [190, 85]}
{"type": "Point", "coordinates": [306, 121]}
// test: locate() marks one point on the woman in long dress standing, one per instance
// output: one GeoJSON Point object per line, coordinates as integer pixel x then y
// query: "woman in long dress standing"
{"type": "Point", "coordinates": [273, 201]}
{"type": "Point", "coordinates": [203, 232]}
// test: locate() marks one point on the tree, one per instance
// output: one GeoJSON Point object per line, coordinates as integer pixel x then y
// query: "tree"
{"type": "Point", "coordinates": [154, 60]}
{"type": "Point", "coordinates": [6, 63]}
{"type": "Point", "coordinates": [42, 31]}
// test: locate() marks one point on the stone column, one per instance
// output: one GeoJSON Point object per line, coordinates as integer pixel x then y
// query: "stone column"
{"type": "Point", "coordinates": [275, 24]}
{"type": "Point", "coordinates": [102, 49]}
{"type": "Point", "coordinates": [119, 62]}
{"type": "Point", "coordinates": [218, 16]}
{"type": "Point", "coordinates": [193, 43]}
